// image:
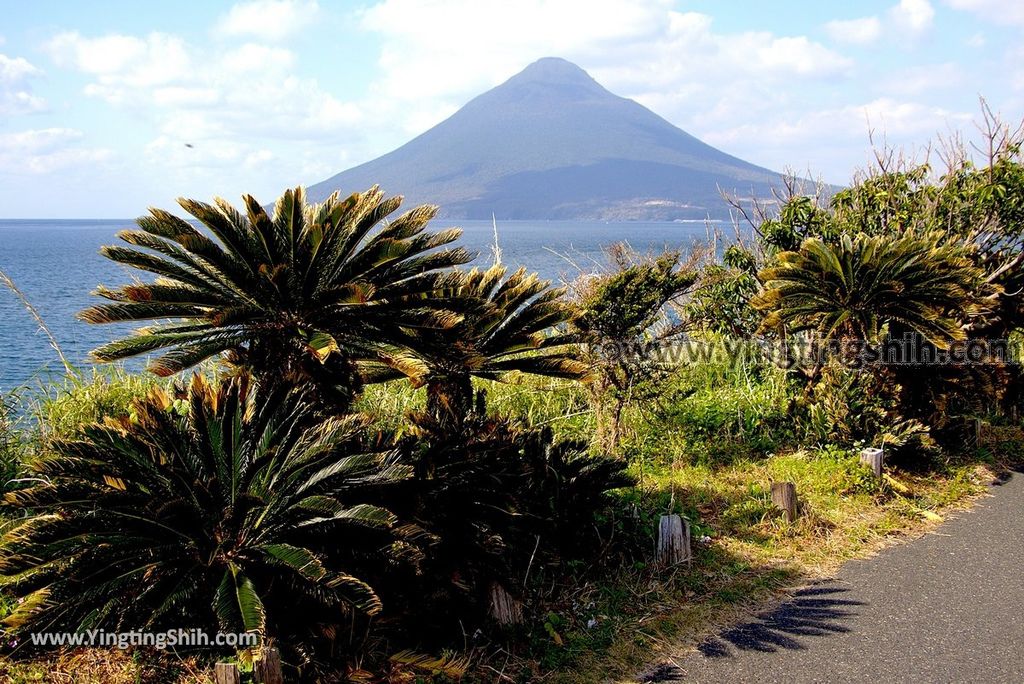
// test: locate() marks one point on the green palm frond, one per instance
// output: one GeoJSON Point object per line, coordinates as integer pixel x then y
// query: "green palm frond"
{"type": "Point", "coordinates": [857, 285]}
{"type": "Point", "coordinates": [266, 291]}
{"type": "Point", "coordinates": [507, 323]}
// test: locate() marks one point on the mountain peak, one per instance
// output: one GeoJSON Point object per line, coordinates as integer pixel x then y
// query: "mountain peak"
{"type": "Point", "coordinates": [555, 71]}
{"type": "Point", "coordinates": [552, 143]}
{"type": "Point", "coordinates": [548, 68]}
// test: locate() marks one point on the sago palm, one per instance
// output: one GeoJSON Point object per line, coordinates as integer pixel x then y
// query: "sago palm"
{"type": "Point", "coordinates": [497, 501]}
{"type": "Point", "coordinates": [299, 296]}
{"type": "Point", "coordinates": [510, 325]}
{"type": "Point", "coordinates": [208, 511]}
{"type": "Point", "coordinates": [855, 286]}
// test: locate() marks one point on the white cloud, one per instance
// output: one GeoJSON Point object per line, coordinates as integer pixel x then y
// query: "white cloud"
{"type": "Point", "coordinates": [425, 45]}
{"type": "Point", "coordinates": [255, 58]}
{"type": "Point", "coordinates": [906, 20]}
{"type": "Point", "coordinates": [184, 96]}
{"type": "Point", "coordinates": [41, 151]}
{"type": "Point", "coordinates": [272, 20]}
{"type": "Point", "coordinates": [977, 40]}
{"type": "Point", "coordinates": [998, 11]}
{"type": "Point", "coordinates": [169, 151]}
{"type": "Point", "coordinates": [258, 158]}
{"type": "Point", "coordinates": [97, 55]}
{"type": "Point", "coordinates": [202, 93]}
{"type": "Point", "coordinates": [926, 78]}
{"type": "Point", "coordinates": [121, 63]}
{"type": "Point", "coordinates": [800, 56]}
{"type": "Point", "coordinates": [223, 116]}
{"type": "Point", "coordinates": [856, 31]}
{"type": "Point", "coordinates": [15, 94]}
{"type": "Point", "coordinates": [20, 102]}
{"type": "Point", "coordinates": [462, 47]}
{"type": "Point", "coordinates": [912, 17]}
{"type": "Point", "coordinates": [890, 120]}
{"type": "Point", "coordinates": [16, 69]}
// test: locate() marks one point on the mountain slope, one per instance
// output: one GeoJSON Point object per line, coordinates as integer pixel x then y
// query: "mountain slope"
{"type": "Point", "coordinates": [552, 143]}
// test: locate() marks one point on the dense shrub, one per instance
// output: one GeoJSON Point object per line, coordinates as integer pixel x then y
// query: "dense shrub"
{"type": "Point", "coordinates": [905, 249]}
{"type": "Point", "coordinates": [858, 286]}
{"type": "Point", "coordinates": [495, 500]}
{"type": "Point", "coordinates": [625, 321]}
{"type": "Point", "coordinates": [75, 400]}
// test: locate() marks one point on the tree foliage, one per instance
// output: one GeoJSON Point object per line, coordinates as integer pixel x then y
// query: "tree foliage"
{"type": "Point", "coordinates": [497, 498]}
{"type": "Point", "coordinates": [625, 321]}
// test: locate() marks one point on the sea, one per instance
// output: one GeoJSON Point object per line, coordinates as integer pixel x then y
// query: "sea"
{"type": "Point", "coordinates": [56, 264]}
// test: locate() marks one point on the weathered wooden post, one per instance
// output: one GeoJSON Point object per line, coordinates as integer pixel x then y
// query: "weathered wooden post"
{"type": "Point", "coordinates": [673, 540]}
{"type": "Point", "coordinates": [873, 459]}
{"type": "Point", "coordinates": [784, 498]}
{"type": "Point", "coordinates": [226, 673]}
{"type": "Point", "coordinates": [505, 608]}
{"type": "Point", "coordinates": [978, 424]}
{"type": "Point", "coordinates": [267, 668]}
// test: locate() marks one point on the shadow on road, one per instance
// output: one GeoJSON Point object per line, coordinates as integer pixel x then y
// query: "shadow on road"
{"type": "Point", "coordinates": [817, 610]}
{"type": "Point", "coordinates": [1008, 474]}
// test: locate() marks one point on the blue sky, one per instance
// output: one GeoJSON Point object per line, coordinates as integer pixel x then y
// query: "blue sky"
{"type": "Point", "coordinates": [100, 100]}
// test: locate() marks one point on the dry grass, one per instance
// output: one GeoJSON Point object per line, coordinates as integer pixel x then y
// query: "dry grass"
{"type": "Point", "coordinates": [104, 666]}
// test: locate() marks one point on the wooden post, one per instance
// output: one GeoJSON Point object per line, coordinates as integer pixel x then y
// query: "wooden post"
{"type": "Point", "coordinates": [873, 458]}
{"type": "Point", "coordinates": [267, 668]}
{"type": "Point", "coordinates": [226, 673]}
{"type": "Point", "coordinates": [977, 431]}
{"type": "Point", "coordinates": [784, 498]}
{"type": "Point", "coordinates": [673, 540]}
{"type": "Point", "coordinates": [504, 607]}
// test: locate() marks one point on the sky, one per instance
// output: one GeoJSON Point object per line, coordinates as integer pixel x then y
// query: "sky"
{"type": "Point", "coordinates": [109, 107]}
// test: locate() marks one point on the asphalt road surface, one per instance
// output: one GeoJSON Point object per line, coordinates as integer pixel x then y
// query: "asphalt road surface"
{"type": "Point", "coordinates": [948, 607]}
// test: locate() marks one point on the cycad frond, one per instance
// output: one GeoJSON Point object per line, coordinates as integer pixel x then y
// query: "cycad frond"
{"type": "Point", "coordinates": [150, 520]}
{"type": "Point", "coordinates": [259, 287]}
{"type": "Point", "coordinates": [856, 285]}
{"type": "Point", "coordinates": [504, 324]}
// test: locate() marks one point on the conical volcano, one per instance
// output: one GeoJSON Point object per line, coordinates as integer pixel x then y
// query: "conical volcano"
{"type": "Point", "coordinates": [552, 143]}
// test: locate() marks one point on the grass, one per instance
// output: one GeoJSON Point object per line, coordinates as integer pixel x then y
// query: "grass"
{"type": "Point", "coordinates": [60, 408]}
{"type": "Point", "coordinates": [610, 628]}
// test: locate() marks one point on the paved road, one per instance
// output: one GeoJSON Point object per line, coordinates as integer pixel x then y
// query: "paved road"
{"type": "Point", "coordinates": [948, 607]}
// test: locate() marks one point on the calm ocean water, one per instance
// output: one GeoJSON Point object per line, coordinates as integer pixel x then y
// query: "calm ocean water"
{"type": "Point", "coordinates": [57, 264]}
